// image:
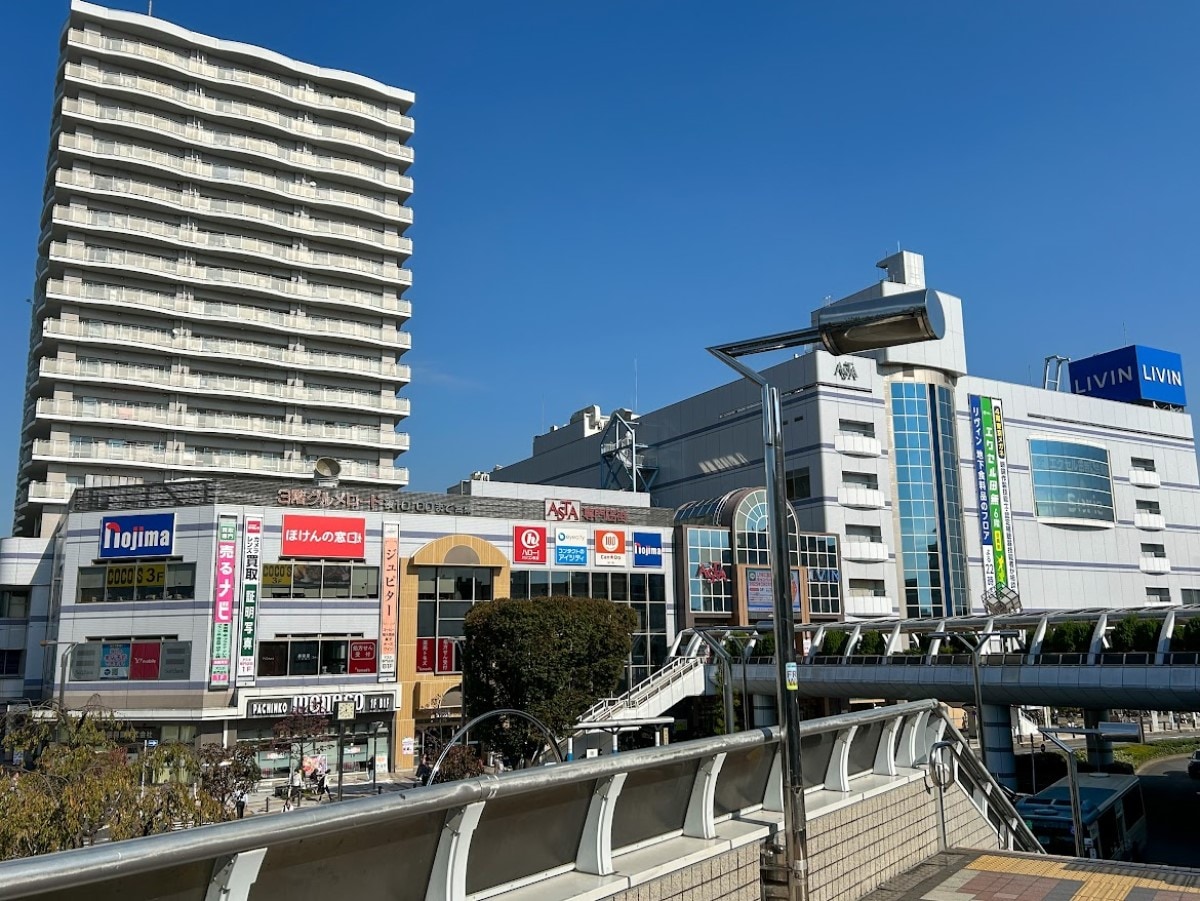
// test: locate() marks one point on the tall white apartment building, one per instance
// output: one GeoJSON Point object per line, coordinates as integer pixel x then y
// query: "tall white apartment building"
{"type": "Point", "coordinates": [220, 268]}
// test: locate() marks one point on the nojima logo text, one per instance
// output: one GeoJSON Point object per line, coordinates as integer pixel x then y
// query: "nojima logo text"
{"type": "Point", "coordinates": [150, 535]}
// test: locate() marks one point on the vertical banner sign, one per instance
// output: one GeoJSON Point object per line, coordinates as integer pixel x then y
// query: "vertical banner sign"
{"type": "Point", "coordinates": [1006, 516]}
{"type": "Point", "coordinates": [991, 484]}
{"type": "Point", "coordinates": [251, 572]}
{"type": "Point", "coordinates": [224, 575]}
{"type": "Point", "coordinates": [389, 602]}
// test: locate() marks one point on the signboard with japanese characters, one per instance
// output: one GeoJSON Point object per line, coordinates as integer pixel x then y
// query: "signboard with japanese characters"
{"type": "Point", "coordinates": [570, 547]}
{"type": "Point", "coordinates": [992, 492]}
{"type": "Point", "coordinates": [224, 589]}
{"type": "Point", "coordinates": [362, 656]}
{"type": "Point", "coordinates": [251, 573]}
{"type": "Point", "coordinates": [324, 537]}
{"type": "Point", "coordinates": [610, 547]}
{"type": "Point", "coordinates": [529, 544]}
{"type": "Point", "coordinates": [389, 602]}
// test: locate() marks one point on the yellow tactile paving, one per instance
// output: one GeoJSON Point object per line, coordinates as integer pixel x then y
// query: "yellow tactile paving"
{"type": "Point", "coordinates": [1097, 886]}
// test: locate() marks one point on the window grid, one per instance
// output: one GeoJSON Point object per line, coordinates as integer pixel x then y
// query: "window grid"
{"type": "Point", "coordinates": [710, 588]}
{"type": "Point", "coordinates": [1071, 481]}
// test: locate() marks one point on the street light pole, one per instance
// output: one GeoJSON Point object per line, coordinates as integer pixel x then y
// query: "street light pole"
{"type": "Point", "coordinates": [62, 667]}
{"type": "Point", "coordinates": [844, 327]}
{"type": "Point", "coordinates": [976, 650]}
{"type": "Point", "coordinates": [1073, 782]}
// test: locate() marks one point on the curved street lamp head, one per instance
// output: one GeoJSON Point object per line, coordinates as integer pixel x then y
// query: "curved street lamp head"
{"type": "Point", "coordinates": [877, 322]}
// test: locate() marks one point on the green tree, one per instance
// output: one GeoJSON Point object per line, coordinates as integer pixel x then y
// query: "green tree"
{"type": "Point", "coordinates": [224, 770]}
{"type": "Point", "coordinates": [1068, 638]}
{"type": "Point", "coordinates": [551, 658]}
{"type": "Point", "coordinates": [1186, 636]}
{"type": "Point", "coordinates": [1134, 634]}
{"type": "Point", "coordinates": [872, 644]}
{"type": "Point", "coordinates": [834, 644]}
{"type": "Point", "coordinates": [300, 734]}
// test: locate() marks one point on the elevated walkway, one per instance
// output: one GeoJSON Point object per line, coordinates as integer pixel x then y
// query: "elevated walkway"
{"type": "Point", "coordinates": [682, 677]}
{"type": "Point", "coordinates": [652, 824]}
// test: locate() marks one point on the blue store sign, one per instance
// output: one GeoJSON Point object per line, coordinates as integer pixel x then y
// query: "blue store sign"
{"type": "Point", "coordinates": [1133, 374]}
{"type": "Point", "coordinates": [143, 535]}
{"type": "Point", "coordinates": [647, 549]}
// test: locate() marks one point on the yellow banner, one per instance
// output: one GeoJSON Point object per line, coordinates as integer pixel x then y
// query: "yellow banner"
{"type": "Point", "coordinates": [142, 575]}
{"type": "Point", "coordinates": [277, 574]}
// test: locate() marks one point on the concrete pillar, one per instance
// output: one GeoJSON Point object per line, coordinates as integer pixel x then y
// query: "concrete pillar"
{"type": "Point", "coordinates": [997, 738]}
{"type": "Point", "coordinates": [1153, 720]}
{"type": "Point", "coordinates": [1099, 751]}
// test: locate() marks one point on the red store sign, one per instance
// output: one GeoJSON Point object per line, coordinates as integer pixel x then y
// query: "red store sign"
{"type": "Point", "coordinates": [445, 662]}
{"type": "Point", "coordinates": [362, 656]}
{"type": "Point", "coordinates": [329, 537]}
{"type": "Point", "coordinates": [425, 655]}
{"type": "Point", "coordinates": [529, 544]}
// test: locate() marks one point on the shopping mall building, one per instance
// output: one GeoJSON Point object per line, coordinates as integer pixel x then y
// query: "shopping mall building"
{"type": "Point", "coordinates": [948, 489]}
{"type": "Point", "coordinates": [209, 610]}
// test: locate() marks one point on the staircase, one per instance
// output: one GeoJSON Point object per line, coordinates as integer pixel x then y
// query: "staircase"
{"type": "Point", "coordinates": [682, 677]}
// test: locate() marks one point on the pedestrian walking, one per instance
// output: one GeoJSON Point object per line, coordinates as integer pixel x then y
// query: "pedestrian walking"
{"type": "Point", "coordinates": [322, 787]}
{"type": "Point", "coordinates": [287, 805]}
{"type": "Point", "coordinates": [297, 786]}
{"type": "Point", "coordinates": [239, 802]}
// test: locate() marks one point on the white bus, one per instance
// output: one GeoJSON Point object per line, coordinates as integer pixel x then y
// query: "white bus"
{"type": "Point", "coordinates": [1113, 814]}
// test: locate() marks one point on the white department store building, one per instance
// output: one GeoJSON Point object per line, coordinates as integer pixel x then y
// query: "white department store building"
{"type": "Point", "coordinates": [1087, 502]}
{"type": "Point", "coordinates": [221, 268]}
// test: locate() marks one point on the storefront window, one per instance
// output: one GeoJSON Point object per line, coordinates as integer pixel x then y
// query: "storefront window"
{"type": "Point", "coordinates": [445, 595]}
{"type": "Point", "coordinates": [136, 581]}
{"type": "Point", "coordinates": [710, 585]}
{"type": "Point", "coordinates": [333, 656]}
{"type": "Point", "coordinates": [303, 658]}
{"type": "Point", "coordinates": [272, 658]}
{"type": "Point", "coordinates": [307, 655]}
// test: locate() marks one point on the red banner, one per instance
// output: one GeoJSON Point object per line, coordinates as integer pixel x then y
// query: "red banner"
{"type": "Point", "coordinates": [331, 537]}
{"type": "Point", "coordinates": [445, 663]}
{"type": "Point", "coordinates": [362, 656]}
{"type": "Point", "coordinates": [529, 544]}
{"type": "Point", "coordinates": [424, 655]}
{"type": "Point", "coordinates": [144, 660]}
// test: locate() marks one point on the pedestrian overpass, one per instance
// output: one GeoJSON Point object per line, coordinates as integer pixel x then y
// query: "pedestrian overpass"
{"type": "Point", "coordinates": [885, 790]}
{"type": "Point", "coordinates": [1012, 672]}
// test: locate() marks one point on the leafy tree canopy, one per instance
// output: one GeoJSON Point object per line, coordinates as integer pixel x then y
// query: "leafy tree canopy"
{"type": "Point", "coordinates": [1068, 638]}
{"type": "Point", "coordinates": [550, 657]}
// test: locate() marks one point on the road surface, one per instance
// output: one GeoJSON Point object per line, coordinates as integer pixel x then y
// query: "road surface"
{"type": "Point", "coordinates": [1173, 812]}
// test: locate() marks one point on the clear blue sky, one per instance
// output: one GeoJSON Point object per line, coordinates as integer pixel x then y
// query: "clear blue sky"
{"type": "Point", "coordinates": [599, 183]}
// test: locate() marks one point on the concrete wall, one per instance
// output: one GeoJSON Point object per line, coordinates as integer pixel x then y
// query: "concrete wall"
{"type": "Point", "coordinates": [733, 876]}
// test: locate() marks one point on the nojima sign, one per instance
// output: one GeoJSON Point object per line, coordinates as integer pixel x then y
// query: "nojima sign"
{"type": "Point", "coordinates": [1134, 374]}
{"type": "Point", "coordinates": [144, 535]}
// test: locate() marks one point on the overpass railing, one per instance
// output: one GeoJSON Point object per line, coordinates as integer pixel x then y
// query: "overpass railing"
{"type": "Point", "coordinates": [597, 826]}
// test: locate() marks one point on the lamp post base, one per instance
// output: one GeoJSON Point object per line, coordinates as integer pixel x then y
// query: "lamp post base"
{"type": "Point", "coordinates": [778, 881]}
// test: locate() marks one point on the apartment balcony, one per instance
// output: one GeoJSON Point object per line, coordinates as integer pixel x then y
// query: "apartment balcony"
{"type": "Point", "coordinates": [232, 178]}
{"type": "Point", "coordinates": [869, 605]}
{"type": "Point", "coordinates": [241, 464]}
{"type": "Point", "coordinates": [262, 151]}
{"type": "Point", "coordinates": [188, 240]}
{"type": "Point", "coordinates": [138, 87]}
{"type": "Point", "coordinates": [1150, 522]}
{"type": "Point", "coordinates": [50, 492]}
{"type": "Point", "coordinates": [1143, 478]}
{"type": "Point", "coordinates": [240, 315]}
{"type": "Point", "coordinates": [133, 52]}
{"type": "Point", "coordinates": [858, 551]}
{"type": "Point", "coordinates": [261, 391]}
{"type": "Point", "coordinates": [857, 445]}
{"type": "Point", "coordinates": [860, 497]}
{"type": "Point", "coordinates": [171, 269]}
{"type": "Point", "coordinates": [1154, 566]}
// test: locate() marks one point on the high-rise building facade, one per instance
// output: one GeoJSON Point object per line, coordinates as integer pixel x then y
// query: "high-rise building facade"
{"type": "Point", "coordinates": [220, 272]}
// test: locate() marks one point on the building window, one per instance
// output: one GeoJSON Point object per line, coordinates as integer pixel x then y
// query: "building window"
{"type": "Point", "coordinates": [799, 484]}
{"type": "Point", "coordinates": [287, 579]}
{"type": "Point", "coordinates": [304, 655]}
{"type": "Point", "coordinates": [819, 554]}
{"type": "Point", "coordinates": [1149, 507]}
{"type": "Point", "coordinates": [139, 581]}
{"type": "Point", "coordinates": [445, 595]}
{"type": "Point", "coordinates": [138, 658]}
{"type": "Point", "coordinates": [1071, 480]}
{"type": "Point", "coordinates": [873, 534]}
{"type": "Point", "coordinates": [1158, 595]}
{"type": "Point", "coordinates": [10, 662]}
{"type": "Point", "coordinates": [710, 580]}
{"type": "Point", "coordinates": [750, 531]}
{"type": "Point", "coordinates": [14, 604]}
{"type": "Point", "coordinates": [1143, 464]}
{"type": "Point", "coordinates": [851, 427]}
{"type": "Point", "coordinates": [867, 588]}
{"type": "Point", "coordinates": [1190, 596]}
{"type": "Point", "coordinates": [861, 480]}
{"type": "Point", "coordinates": [645, 593]}
{"type": "Point", "coordinates": [1154, 550]}
{"type": "Point", "coordinates": [932, 557]}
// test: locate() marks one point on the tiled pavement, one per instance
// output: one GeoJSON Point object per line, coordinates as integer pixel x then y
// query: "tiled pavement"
{"type": "Point", "coordinates": [962, 875]}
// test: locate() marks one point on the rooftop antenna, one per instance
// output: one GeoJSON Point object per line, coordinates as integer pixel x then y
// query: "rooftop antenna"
{"type": "Point", "coordinates": [635, 385]}
{"type": "Point", "coordinates": [149, 7]}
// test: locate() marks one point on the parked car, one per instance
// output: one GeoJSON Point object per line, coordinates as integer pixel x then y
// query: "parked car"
{"type": "Point", "coordinates": [1194, 765]}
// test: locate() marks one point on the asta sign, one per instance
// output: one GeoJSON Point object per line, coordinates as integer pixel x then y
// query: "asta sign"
{"type": "Point", "coordinates": [1134, 374]}
{"type": "Point", "coordinates": [144, 535]}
